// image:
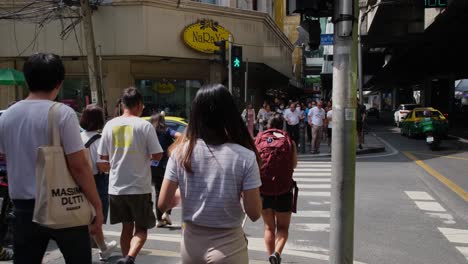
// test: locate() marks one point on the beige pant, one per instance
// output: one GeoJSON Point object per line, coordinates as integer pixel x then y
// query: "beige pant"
{"type": "Point", "coordinates": [202, 245]}
{"type": "Point", "coordinates": [316, 137]}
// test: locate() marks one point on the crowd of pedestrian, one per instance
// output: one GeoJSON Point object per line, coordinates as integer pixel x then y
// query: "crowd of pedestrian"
{"type": "Point", "coordinates": [215, 170]}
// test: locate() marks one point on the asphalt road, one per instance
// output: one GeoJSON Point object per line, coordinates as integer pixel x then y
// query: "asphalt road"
{"type": "Point", "coordinates": [410, 209]}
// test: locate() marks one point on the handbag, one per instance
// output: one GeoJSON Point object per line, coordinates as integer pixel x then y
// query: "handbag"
{"type": "Point", "coordinates": [59, 203]}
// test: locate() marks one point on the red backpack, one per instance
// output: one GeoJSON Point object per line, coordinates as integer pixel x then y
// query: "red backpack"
{"type": "Point", "coordinates": [277, 168]}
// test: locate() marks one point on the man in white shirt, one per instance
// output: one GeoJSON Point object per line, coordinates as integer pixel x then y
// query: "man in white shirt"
{"type": "Point", "coordinates": [330, 126]}
{"type": "Point", "coordinates": [129, 143]}
{"type": "Point", "coordinates": [316, 117]}
{"type": "Point", "coordinates": [293, 117]}
{"type": "Point", "coordinates": [23, 129]}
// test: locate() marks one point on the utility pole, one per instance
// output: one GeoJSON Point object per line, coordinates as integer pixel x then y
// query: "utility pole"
{"type": "Point", "coordinates": [230, 63]}
{"type": "Point", "coordinates": [360, 71]}
{"type": "Point", "coordinates": [95, 85]}
{"type": "Point", "coordinates": [344, 132]}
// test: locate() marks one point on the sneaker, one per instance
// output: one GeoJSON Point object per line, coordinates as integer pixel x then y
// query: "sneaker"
{"type": "Point", "coordinates": [275, 258]}
{"type": "Point", "coordinates": [104, 255]}
{"type": "Point", "coordinates": [6, 254]}
{"type": "Point", "coordinates": [161, 223]}
{"type": "Point", "coordinates": [166, 217]}
{"type": "Point", "coordinates": [126, 260]}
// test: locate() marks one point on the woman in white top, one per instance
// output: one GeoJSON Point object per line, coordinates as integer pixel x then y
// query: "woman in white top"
{"type": "Point", "coordinates": [92, 120]}
{"type": "Point", "coordinates": [214, 165]}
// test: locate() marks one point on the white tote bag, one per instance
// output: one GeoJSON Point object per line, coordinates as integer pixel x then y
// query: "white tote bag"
{"type": "Point", "coordinates": [59, 200]}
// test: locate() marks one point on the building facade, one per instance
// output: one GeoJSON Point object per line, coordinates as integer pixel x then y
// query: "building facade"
{"type": "Point", "coordinates": [145, 44]}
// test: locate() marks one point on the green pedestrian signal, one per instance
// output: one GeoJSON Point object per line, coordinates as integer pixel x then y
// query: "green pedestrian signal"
{"type": "Point", "coordinates": [237, 63]}
{"type": "Point", "coordinates": [236, 57]}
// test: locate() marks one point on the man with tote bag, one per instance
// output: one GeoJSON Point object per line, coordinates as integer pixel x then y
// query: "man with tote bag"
{"type": "Point", "coordinates": [31, 133]}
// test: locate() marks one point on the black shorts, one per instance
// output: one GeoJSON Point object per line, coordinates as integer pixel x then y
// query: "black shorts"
{"type": "Point", "coordinates": [137, 208]}
{"type": "Point", "coordinates": [281, 203]}
{"type": "Point", "coordinates": [359, 126]}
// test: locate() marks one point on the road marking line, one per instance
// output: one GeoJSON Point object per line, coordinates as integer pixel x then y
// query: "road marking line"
{"type": "Point", "coordinates": [311, 169]}
{"type": "Point", "coordinates": [441, 156]}
{"type": "Point", "coordinates": [421, 196]}
{"type": "Point", "coordinates": [314, 194]}
{"type": "Point", "coordinates": [255, 244]}
{"type": "Point", "coordinates": [320, 203]}
{"type": "Point", "coordinates": [314, 165]}
{"type": "Point", "coordinates": [298, 179]}
{"type": "Point", "coordinates": [455, 235]}
{"type": "Point", "coordinates": [447, 218]}
{"type": "Point", "coordinates": [430, 206]}
{"type": "Point", "coordinates": [311, 227]}
{"type": "Point", "coordinates": [312, 174]}
{"type": "Point", "coordinates": [451, 185]}
{"type": "Point", "coordinates": [314, 186]}
{"type": "Point", "coordinates": [314, 214]}
{"type": "Point", "coordinates": [464, 251]}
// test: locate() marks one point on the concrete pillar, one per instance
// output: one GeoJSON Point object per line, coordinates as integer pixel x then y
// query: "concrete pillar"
{"type": "Point", "coordinates": [395, 98]}
{"type": "Point", "coordinates": [262, 5]}
{"type": "Point", "coordinates": [426, 92]}
{"type": "Point", "coordinates": [216, 75]}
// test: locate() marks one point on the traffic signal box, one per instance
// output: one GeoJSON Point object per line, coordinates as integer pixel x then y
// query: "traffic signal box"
{"type": "Point", "coordinates": [236, 58]}
{"type": "Point", "coordinates": [221, 52]}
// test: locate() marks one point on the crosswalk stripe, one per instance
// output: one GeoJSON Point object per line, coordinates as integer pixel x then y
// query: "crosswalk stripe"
{"type": "Point", "coordinates": [430, 206]}
{"type": "Point", "coordinates": [306, 166]}
{"type": "Point", "coordinates": [314, 214]}
{"type": "Point", "coordinates": [420, 196]}
{"type": "Point", "coordinates": [314, 186]}
{"type": "Point", "coordinates": [464, 251]}
{"type": "Point", "coordinates": [311, 170]}
{"type": "Point", "coordinates": [455, 235]}
{"type": "Point", "coordinates": [314, 194]}
{"type": "Point", "coordinates": [298, 179]}
{"type": "Point", "coordinates": [311, 227]}
{"type": "Point", "coordinates": [311, 174]}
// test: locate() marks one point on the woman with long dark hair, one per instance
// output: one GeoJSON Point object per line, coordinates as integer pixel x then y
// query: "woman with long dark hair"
{"type": "Point", "coordinates": [214, 165]}
{"type": "Point", "coordinates": [166, 137]}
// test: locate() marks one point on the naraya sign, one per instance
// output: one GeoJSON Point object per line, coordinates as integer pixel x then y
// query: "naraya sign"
{"type": "Point", "coordinates": [202, 35]}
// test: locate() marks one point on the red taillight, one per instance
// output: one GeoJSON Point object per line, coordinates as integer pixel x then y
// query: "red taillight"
{"type": "Point", "coordinates": [446, 115]}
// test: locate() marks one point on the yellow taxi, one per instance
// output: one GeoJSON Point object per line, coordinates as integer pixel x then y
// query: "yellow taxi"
{"type": "Point", "coordinates": [176, 123]}
{"type": "Point", "coordinates": [412, 123]}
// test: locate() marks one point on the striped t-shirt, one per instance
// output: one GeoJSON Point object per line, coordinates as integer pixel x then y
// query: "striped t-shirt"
{"type": "Point", "coordinates": [211, 194]}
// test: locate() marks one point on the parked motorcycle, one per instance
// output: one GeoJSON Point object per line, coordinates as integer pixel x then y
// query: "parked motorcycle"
{"type": "Point", "coordinates": [432, 133]}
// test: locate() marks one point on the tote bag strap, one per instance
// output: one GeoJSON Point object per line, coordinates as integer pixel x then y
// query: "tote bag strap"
{"type": "Point", "coordinates": [53, 124]}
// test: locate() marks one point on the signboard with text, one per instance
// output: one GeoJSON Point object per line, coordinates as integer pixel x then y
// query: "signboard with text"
{"type": "Point", "coordinates": [435, 3]}
{"type": "Point", "coordinates": [202, 35]}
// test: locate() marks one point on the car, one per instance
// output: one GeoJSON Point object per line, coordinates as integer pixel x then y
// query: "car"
{"type": "Point", "coordinates": [402, 111]}
{"type": "Point", "coordinates": [410, 124]}
{"type": "Point", "coordinates": [178, 124]}
{"type": "Point", "coordinates": [373, 111]}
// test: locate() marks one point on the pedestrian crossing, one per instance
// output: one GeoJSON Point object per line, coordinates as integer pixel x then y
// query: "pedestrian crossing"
{"type": "Point", "coordinates": [309, 229]}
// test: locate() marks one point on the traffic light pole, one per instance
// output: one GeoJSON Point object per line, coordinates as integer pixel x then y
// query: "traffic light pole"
{"type": "Point", "coordinates": [230, 63]}
{"type": "Point", "coordinates": [344, 132]}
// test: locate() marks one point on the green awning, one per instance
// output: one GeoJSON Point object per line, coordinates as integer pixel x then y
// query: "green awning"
{"type": "Point", "coordinates": [11, 77]}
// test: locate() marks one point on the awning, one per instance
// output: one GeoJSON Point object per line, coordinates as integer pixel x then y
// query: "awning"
{"type": "Point", "coordinates": [11, 77]}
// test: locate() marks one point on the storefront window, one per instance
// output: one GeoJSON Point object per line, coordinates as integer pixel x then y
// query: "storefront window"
{"type": "Point", "coordinates": [75, 93]}
{"type": "Point", "coordinates": [174, 97]}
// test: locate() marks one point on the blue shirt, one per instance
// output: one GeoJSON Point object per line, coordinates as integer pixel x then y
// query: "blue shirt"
{"type": "Point", "coordinates": [306, 113]}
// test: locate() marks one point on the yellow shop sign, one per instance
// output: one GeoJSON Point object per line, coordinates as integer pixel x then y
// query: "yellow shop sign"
{"type": "Point", "coordinates": [202, 35]}
{"type": "Point", "coordinates": [164, 88]}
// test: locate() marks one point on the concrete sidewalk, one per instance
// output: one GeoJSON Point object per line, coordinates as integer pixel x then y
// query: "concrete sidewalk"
{"type": "Point", "coordinates": [371, 145]}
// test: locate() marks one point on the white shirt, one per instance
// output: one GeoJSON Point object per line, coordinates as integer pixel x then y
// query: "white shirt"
{"type": "Point", "coordinates": [211, 194]}
{"type": "Point", "coordinates": [86, 136]}
{"type": "Point", "coordinates": [292, 117]}
{"type": "Point", "coordinates": [129, 142]}
{"type": "Point", "coordinates": [23, 129]}
{"type": "Point", "coordinates": [317, 115]}
{"type": "Point", "coordinates": [330, 115]}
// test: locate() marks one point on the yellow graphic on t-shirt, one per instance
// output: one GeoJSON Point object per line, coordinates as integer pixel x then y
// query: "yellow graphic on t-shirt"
{"type": "Point", "coordinates": [122, 136]}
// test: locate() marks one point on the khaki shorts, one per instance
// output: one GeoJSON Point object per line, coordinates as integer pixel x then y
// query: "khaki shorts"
{"type": "Point", "coordinates": [136, 208]}
{"type": "Point", "coordinates": [201, 245]}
